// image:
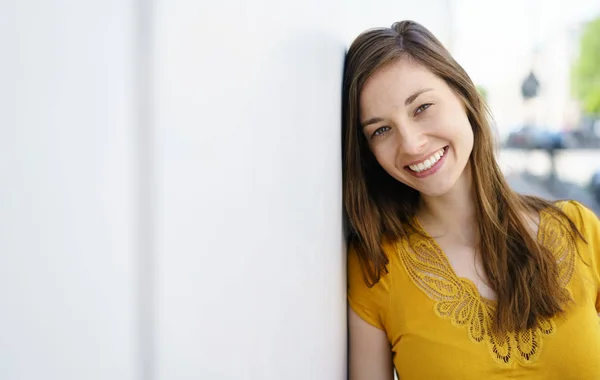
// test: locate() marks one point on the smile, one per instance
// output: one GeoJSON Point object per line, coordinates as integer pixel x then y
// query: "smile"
{"type": "Point", "coordinates": [428, 165]}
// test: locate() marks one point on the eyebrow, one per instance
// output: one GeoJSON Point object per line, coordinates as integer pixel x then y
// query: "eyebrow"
{"type": "Point", "coordinates": [407, 102]}
{"type": "Point", "coordinates": [373, 120]}
{"type": "Point", "coordinates": [414, 96]}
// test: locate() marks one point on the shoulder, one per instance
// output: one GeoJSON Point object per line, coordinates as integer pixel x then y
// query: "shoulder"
{"type": "Point", "coordinates": [355, 263]}
{"type": "Point", "coordinates": [391, 247]}
{"type": "Point", "coordinates": [370, 302]}
{"type": "Point", "coordinates": [584, 218]}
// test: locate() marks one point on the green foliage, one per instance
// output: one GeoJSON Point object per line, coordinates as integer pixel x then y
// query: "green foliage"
{"type": "Point", "coordinates": [586, 70]}
{"type": "Point", "coordinates": [483, 92]}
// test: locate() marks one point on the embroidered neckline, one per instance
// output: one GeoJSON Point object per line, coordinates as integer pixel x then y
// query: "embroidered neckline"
{"type": "Point", "coordinates": [458, 299]}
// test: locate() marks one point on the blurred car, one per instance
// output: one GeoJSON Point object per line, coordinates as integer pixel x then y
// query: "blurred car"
{"type": "Point", "coordinates": [595, 185]}
{"type": "Point", "coordinates": [587, 133]}
{"type": "Point", "coordinates": [529, 137]}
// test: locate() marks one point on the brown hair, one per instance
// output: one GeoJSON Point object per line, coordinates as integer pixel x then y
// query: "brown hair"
{"type": "Point", "coordinates": [523, 274]}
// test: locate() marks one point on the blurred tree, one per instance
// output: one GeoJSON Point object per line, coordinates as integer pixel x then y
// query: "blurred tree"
{"type": "Point", "coordinates": [586, 69]}
{"type": "Point", "coordinates": [483, 92]}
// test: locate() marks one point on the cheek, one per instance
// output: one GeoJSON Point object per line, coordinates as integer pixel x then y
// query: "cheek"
{"type": "Point", "coordinates": [468, 133]}
{"type": "Point", "coordinates": [385, 154]}
{"type": "Point", "coordinates": [463, 129]}
{"type": "Point", "coordinates": [471, 136]}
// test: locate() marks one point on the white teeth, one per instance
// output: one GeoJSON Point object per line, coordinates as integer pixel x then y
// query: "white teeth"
{"type": "Point", "coordinates": [428, 163]}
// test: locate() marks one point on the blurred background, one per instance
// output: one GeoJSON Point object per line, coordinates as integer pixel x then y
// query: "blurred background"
{"type": "Point", "coordinates": [170, 195]}
{"type": "Point", "coordinates": [537, 63]}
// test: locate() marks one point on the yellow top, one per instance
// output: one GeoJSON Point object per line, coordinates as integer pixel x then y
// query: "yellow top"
{"type": "Point", "coordinates": [438, 325]}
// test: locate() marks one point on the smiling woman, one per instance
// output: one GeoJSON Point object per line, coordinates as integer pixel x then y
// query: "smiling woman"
{"type": "Point", "coordinates": [451, 273]}
{"type": "Point", "coordinates": [421, 127]}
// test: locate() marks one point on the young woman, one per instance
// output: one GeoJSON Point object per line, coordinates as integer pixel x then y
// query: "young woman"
{"type": "Point", "coordinates": [452, 275]}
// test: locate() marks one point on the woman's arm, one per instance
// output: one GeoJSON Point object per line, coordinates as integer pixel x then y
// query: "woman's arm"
{"type": "Point", "coordinates": [370, 352]}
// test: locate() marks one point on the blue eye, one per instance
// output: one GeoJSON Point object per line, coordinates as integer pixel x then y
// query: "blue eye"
{"type": "Point", "coordinates": [422, 108]}
{"type": "Point", "coordinates": [380, 131]}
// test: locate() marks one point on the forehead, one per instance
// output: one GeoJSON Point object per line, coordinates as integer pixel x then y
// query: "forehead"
{"type": "Point", "coordinates": [390, 85]}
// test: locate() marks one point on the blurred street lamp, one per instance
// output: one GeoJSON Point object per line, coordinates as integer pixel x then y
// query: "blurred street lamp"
{"type": "Point", "coordinates": [530, 87]}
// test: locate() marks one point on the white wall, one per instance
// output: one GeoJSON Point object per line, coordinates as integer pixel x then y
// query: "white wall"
{"type": "Point", "coordinates": [230, 174]}
{"type": "Point", "coordinates": [67, 181]}
{"type": "Point", "coordinates": [249, 237]}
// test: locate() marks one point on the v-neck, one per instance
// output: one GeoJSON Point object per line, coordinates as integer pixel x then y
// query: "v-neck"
{"type": "Point", "coordinates": [458, 300]}
{"type": "Point", "coordinates": [450, 269]}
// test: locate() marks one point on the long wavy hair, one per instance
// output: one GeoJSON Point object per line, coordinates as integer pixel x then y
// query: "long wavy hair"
{"type": "Point", "coordinates": [523, 274]}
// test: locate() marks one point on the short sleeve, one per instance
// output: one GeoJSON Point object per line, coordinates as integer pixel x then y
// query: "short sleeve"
{"type": "Point", "coordinates": [370, 303]}
{"type": "Point", "coordinates": [589, 226]}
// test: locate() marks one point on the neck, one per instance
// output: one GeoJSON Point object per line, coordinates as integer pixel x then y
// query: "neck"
{"type": "Point", "coordinates": [453, 212]}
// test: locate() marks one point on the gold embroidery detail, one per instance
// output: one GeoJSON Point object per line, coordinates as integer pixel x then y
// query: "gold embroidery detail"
{"type": "Point", "coordinates": [458, 300]}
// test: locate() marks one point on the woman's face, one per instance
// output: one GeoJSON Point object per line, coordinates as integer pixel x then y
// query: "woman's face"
{"type": "Point", "coordinates": [416, 127]}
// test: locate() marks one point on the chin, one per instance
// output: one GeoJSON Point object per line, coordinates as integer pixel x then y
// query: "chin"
{"type": "Point", "coordinates": [434, 192]}
{"type": "Point", "coordinates": [436, 189]}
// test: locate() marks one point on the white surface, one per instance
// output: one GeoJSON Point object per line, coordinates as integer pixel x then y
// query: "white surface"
{"type": "Point", "coordinates": [247, 277]}
{"type": "Point", "coordinates": [66, 186]}
{"type": "Point", "coordinates": [249, 238]}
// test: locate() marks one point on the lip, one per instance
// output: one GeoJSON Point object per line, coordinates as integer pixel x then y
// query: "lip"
{"type": "Point", "coordinates": [422, 159]}
{"type": "Point", "coordinates": [432, 169]}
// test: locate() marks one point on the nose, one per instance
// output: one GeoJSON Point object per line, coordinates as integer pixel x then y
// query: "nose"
{"type": "Point", "coordinates": [412, 140]}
